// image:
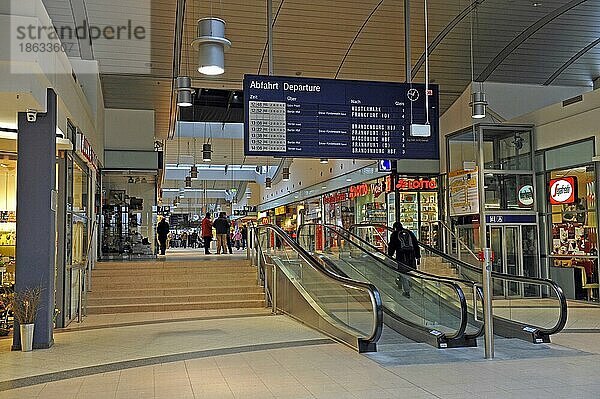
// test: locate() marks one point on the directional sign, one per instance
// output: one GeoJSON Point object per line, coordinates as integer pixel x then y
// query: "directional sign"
{"type": "Point", "coordinates": [326, 118]}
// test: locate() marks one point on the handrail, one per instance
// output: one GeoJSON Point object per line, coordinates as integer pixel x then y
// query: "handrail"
{"type": "Point", "coordinates": [503, 276]}
{"type": "Point", "coordinates": [410, 272]}
{"type": "Point", "coordinates": [306, 257]}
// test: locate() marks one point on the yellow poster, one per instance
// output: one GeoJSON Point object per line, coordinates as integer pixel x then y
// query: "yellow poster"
{"type": "Point", "coordinates": [464, 192]}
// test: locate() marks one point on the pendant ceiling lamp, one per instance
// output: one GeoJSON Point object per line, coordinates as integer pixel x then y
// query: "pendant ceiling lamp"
{"type": "Point", "coordinates": [206, 152]}
{"type": "Point", "coordinates": [268, 183]}
{"type": "Point", "coordinates": [183, 86]}
{"type": "Point", "coordinates": [478, 105]}
{"type": "Point", "coordinates": [194, 172]}
{"type": "Point", "coordinates": [211, 43]}
{"type": "Point", "coordinates": [285, 174]}
{"type": "Point", "coordinates": [188, 181]}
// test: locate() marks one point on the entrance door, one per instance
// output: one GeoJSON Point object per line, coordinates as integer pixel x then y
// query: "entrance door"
{"type": "Point", "coordinates": [515, 252]}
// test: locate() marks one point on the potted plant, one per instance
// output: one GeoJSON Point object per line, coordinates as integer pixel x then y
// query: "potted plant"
{"type": "Point", "coordinates": [25, 305]}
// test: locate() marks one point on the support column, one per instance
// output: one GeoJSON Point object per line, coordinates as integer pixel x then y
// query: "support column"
{"type": "Point", "coordinates": [36, 209]}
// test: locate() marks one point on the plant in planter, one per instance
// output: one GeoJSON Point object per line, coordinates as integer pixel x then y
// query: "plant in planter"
{"type": "Point", "coordinates": [25, 305]}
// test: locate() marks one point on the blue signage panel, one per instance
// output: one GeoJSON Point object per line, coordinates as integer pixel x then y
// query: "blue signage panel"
{"type": "Point", "coordinates": [509, 219]}
{"type": "Point", "coordinates": [328, 118]}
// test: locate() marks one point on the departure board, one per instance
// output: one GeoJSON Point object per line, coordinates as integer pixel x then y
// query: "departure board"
{"type": "Point", "coordinates": [330, 118]}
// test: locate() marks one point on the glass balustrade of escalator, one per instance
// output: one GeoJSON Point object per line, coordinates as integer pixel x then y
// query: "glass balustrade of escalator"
{"type": "Point", "coordinates": [298, 285]}
{"type": "Point", "coordinates": [538, 305]}
{"type": "Point", "coordinates": [427, 302]}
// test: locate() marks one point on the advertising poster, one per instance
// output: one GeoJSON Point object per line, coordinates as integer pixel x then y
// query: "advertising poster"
{"type": "Point", "coordinates": [464, 192]}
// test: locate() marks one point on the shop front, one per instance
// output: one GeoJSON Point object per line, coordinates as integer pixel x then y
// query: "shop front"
{"type": "Point", "coordinates": [572, 219]}
{"type": "Point", "coordinates": [338, 208]}
{"type": "Point", "coordinates": [418, 206]}
{"type": "Point", "coordinates": [129, 215]}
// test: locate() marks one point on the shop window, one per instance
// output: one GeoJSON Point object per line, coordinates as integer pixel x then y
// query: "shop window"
{"type": "Point", "coordinates": [574, 218]}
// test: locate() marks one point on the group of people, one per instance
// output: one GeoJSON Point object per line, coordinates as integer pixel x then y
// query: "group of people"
{"type": "Point", "coordinates": [228, 235]}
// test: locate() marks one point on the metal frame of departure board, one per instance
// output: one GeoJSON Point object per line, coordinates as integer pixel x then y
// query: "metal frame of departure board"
{"type": "Point", "coordinates": [329, 118]}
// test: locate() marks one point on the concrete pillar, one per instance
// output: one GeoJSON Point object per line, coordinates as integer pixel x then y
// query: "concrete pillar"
{"type": "Point", "coordinates": [36, 209]}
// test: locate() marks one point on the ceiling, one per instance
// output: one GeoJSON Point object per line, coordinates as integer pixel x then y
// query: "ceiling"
{"type": "Point", "coordinates": [546, 42]}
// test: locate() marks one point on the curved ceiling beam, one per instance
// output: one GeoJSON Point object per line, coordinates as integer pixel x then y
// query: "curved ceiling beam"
{"type": "Point", "coordinates": [523, 36]}
{"type": "Point", "coordinates": [571, 61]}
{"type": "Point", "coordinates": [262, 58]}
{"type": "Point", "coordinates": [356, 37]}
{"type": "Point", "coordinates": [442, 35]}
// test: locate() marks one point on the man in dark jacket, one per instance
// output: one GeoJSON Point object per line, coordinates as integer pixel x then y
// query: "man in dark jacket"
{"type": "Point", "coordinates": [162, 230]}
{"type": "Point", "coordinates": [221, 225]}
{"type": "Point", "coordinates": [404, 244]}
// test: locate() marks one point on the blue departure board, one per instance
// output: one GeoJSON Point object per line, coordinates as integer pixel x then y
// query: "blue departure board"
{"type": "Point", "coordinates": [329, 118]}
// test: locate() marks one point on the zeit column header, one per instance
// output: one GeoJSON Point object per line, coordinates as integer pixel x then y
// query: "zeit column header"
{"type": "Point", "coordinates": [328, 118]}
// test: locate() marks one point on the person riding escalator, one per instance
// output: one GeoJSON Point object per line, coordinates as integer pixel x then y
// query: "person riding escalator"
{"type": "Point", "coordinates": [405, 246]}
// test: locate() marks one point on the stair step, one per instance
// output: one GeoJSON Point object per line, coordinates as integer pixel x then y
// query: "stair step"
{"type": "Point", "coordinates": [158, 291]}
{"type": "Point", "coordinates": [234, 296]}
{"type": "Point", "coordinates": [175, 306]}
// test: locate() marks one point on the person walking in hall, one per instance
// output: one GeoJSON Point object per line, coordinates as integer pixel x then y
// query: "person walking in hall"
{"type": "Point", "coordinates": [193, 239]}
{"type": "Point", "coordinates": [221, 225]}
{"type": "Point", "coordinates": [404, 244]}
{"type": "Point", "coordinates": [207, 227]}
{"type": "Point", "coordinates": [244, 232]}
{"type": "Point", "coordinates": [162, 231]}
{"type": "Point", "coordinates": [184, 239]}
{"type": "Point", "coordinates": [237, 238]}
{"type": "Point", "coordinates": [230, 236]}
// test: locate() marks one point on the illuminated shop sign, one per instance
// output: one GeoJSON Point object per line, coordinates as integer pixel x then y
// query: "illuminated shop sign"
{"type": "Point", "coordinates": [525, 195]}
{"type": "Point", "coordinates": [377, 188]}
{"type": "Point", "coordinates": [563, 190]}
{"type": "Point", "coordinates": [84, 149]}
{"type": "Point", "coordinates": [334, 198]}
{"type": "Point", "coordinates": [416, 184]}
{"type": "Point", "coordinates": [280, 210]}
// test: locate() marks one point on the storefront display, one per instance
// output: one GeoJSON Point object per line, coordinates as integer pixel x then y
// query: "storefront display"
{"type": "Point", "coordinates": [129, 216]}
{"type": "Point", "coordinates": [418, 207]}
{"type": "Point", "coordinates": [574, 224]}
{"type": "Point", "coordinates": [8, 218]}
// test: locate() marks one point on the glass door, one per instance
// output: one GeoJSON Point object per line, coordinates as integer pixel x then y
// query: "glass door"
{"type": "Point", "coordinates": [512, 256]}
{"type": "Point", "coordinates": [496, 244]}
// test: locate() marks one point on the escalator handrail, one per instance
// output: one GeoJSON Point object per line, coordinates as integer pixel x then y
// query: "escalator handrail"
{"type": "Point", "coordinates": [562, 320]}
{"type": "Point", "coordinates": [411, 273]}
{"type": "Point", "coordinates": [373, 292]}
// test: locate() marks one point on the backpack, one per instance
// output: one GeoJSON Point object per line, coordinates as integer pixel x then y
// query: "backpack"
{"type": "Point", "coordinates": [405, 241]}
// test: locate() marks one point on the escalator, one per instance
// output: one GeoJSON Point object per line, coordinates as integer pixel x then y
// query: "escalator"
{"type": "Point", "coordinates": [346, 310]}
{"type": "Point", "coordinates": [535, 315]}
{"type": "Point", "coordinates": [434, 311]}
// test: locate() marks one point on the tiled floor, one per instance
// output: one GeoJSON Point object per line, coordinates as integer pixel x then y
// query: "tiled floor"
{"type": "Point", "coordinates": [247, 354]}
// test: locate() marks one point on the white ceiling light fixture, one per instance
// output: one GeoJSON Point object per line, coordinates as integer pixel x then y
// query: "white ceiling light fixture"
{"type": "Point", "coordinates": [211, 43]}
{"type": "Point", "coordinates": [183, 86]}
{"type": "Point", "coordinates": [323, 160]}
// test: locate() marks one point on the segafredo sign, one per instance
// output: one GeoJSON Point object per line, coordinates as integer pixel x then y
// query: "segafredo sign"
{"type": "Point", "coordinates": [525, 195]}
{"type": "Point", "coordinates": [563, 190]}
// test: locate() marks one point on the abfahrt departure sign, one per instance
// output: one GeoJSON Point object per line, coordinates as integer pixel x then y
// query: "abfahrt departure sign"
{"type": "Point", "coordinates": [327, 118]}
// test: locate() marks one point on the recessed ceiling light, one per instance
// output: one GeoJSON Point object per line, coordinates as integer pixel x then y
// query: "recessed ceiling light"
{"type": "Point", "coordinates": [537, 4]}
{"type": "Point", "coordinates": [3, 165]}
{"type": "Point", "coordinates": [348, 179]}
{"type": "Point", "coordinates": [323, 187]}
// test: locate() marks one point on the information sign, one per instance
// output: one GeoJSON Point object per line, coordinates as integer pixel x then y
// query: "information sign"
{"type": "Point", "coordinates": [328, 118]}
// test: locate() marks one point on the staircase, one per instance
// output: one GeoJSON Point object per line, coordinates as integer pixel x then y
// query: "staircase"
{"type": "Point", "coordinates": [160, 286]}
{"type": "Point", "coordinates": [437, 266]}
